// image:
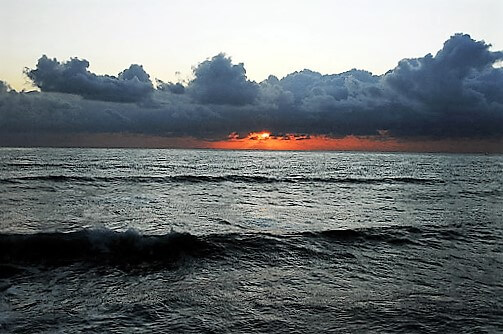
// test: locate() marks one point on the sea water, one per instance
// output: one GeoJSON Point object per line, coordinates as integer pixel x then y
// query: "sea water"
{"type": "Point", "coordinates": [130, 240]}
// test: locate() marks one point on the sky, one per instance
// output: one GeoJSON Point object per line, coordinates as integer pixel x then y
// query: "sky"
{"type": "Point", "coordinates": [228, 69]}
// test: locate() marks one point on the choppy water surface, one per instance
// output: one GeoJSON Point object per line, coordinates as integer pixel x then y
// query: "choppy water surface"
{"type": "Point", "coordinates": [247, 241]}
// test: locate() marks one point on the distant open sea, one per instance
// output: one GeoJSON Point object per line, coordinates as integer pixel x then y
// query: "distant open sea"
{"type": "Point", "coordinates": [203, 241]}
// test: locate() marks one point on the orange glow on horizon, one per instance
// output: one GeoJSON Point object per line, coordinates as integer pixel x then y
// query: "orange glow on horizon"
{"type": "Point", "coordinates": [383, 142]}
{"type": "Point", "coordinates": [268, 141]}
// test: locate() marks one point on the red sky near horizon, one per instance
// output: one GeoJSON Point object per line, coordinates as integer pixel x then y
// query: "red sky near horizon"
{"type": "Point", "coordinates": [266, 141]}
{"type": "Point", "coordinates": [263, 140]}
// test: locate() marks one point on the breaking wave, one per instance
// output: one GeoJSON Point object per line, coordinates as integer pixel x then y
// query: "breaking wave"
{"type": "Point", "coordinates": [131, 247]}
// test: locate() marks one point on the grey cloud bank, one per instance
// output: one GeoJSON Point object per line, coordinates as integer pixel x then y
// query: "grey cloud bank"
{"type": "Point", "coordinates": [217, 81]}
{"type": "Point", "coordinates": [131, 85]}
{"type": "Point", "coordinates": [456, 93]}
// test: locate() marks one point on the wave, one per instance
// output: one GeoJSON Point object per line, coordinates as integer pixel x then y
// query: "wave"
{"type": "Point", "coordinates": [104, 246]}
{"type": "Point", "coordinates": [217, 179]}
{"type": "Point", "coordinates": [52, 178]}
{"type": "Point", "coordinates": [33, 164]}
{"type": "Point", "coordinates": [100, 245]}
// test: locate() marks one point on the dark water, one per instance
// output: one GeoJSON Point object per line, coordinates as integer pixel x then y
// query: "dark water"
{"type": "Point", "coordinates": [225, 241]}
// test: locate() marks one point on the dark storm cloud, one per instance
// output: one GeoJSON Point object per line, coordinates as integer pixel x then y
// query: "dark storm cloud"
{"type": "Point", "coordinates": [442, 81]}
{"type": "Point", "coordinates": [456, 93]}
{"type": "Point", "coordinates": [50, 75]}
{"type": "Point", "coordinates": [175, 88]}
{"type": "Point", "coordinates": [218, 81]}
{"type": "Point", "coordinates": [4, 87]}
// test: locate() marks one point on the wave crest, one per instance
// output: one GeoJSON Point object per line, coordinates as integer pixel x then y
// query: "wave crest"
{"type": "Point", "coordinates": [130, 247]}
{"type": "Point", "coordinates": [100, 246]}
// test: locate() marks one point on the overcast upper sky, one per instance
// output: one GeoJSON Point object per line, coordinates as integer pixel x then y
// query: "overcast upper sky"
{"type": "Point", "coordinates": [269, 36]}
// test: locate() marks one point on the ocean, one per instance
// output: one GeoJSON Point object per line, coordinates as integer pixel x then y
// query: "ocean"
{"type": "Point", "coordinates": [208, 241]}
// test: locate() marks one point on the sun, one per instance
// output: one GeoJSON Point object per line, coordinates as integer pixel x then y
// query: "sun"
{"type": "Point", "coordinates": [264, 135]}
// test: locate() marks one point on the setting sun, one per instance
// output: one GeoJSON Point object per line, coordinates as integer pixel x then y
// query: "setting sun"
{"type": "Point", "coordinates": [259, 135]}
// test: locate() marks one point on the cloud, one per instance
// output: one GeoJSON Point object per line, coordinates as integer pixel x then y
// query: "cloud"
{"type": "Point", "coordinates": [440, 81]}
{"type": "Point", "coordinates": [4, 87]}
{"type": "Point", "coordinates": [456, 93]}
{"type": "Point", "coordinates": [218, 81]}
{"type": "Point", "coordinates": [452, 93]}
{"type": "Point", "coordinates": [175, 88]}
{"type": "Point", "coordinates": [50, 75]}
